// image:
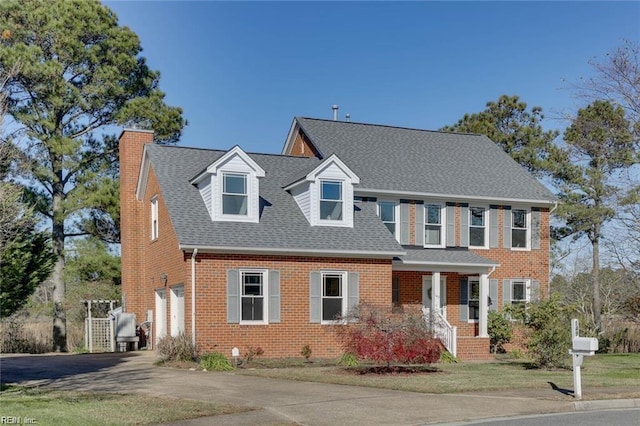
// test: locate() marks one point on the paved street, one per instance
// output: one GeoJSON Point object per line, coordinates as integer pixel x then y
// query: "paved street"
{"type": "Point", "coordinates": [281, 401]}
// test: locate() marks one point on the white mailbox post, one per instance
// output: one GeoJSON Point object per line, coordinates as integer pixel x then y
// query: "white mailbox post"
{"type": "Point", "coordinates": [580, 347]}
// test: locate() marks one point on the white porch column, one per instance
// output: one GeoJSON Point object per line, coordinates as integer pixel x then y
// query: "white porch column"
{"type": "Point", "coordinates": [484, 305]}
{"type": "Point", "coordinates": [435, 292]}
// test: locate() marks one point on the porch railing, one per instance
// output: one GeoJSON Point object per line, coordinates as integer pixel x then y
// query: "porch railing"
{"type": "Point", "coordinates": [442, 329]}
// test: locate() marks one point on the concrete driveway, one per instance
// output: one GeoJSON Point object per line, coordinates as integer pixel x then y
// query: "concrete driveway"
{"type": "Point", "coordinates": [279, 401]}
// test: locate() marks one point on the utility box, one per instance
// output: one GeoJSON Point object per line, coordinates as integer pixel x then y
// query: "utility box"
{"type": "Point", "coordinates": [585, 345]}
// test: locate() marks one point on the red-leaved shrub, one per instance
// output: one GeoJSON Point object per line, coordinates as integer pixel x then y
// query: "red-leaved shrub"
{"type": "Point", "coordinates": [386, 337]}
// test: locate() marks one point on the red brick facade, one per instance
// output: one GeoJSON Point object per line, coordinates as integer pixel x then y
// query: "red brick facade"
{"type": "Point", "coordinates": [145, 261]}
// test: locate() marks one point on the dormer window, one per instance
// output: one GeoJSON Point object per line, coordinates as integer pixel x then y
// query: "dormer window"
{"type": "Point", "coordinates": [325, 194]}
{"type": "Point", "coordinates": [230, 187]}
{"type": "Point", "coordinates": [331, 200]}
{"type": "Point", "coordinates": [234, 194]}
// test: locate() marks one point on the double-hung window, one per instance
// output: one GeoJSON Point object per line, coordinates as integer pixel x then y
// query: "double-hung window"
{"type": "Point", "coordinates": [333, 298]}
{"type": "Point", "coordinates": [519, 292]}
{"type": "Point", "coordinates": [519, 228]}
{"type": "Point", "coordinates": [331, 200]}
{"type": "Point", "coordinates": [387, 211]}
{"type": "Point", "coordinates": [234, 194]}
{"type": "Point", "coordinates": [253, 287]}
{"type": "Point", "coordinates": [154, 218]}
{"type": "Point", "coordinates": [474, 299]}
{"type": "Point", "coordinates": [477, 227]}
{"type": "Point", "coordinates": [433, 226]}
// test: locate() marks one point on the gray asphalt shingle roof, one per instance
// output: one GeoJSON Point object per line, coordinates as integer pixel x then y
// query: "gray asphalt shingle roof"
{"type": "Point", "coordinates": [282, 225]}
{"type": "Point", "coordinates": [385, 158]}
{"type": "Point", "coordinates": [421, 161]}
{"type": "Point", "coordinates": [444, 256]}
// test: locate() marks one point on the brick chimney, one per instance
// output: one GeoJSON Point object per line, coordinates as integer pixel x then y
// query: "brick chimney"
{"type": "Point", "coordinates": [132, 229]}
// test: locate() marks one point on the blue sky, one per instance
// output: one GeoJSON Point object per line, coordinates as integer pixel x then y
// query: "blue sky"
{"type": "Point", "coordinates": [242, 70]}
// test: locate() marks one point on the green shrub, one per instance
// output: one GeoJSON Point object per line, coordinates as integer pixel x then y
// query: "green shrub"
{"type": "Point", "coordinates": [516, 353]}
{"type": "Point", "coordinates": [447, 358]}
{"type": "Point", "coordinates": [500, 331]}
{"type": "Point", "coordinates": [549, 322]}
{"type": "Point", "coordinates": [215, 362]}
{"type": "Point", "coordinates": [348, 360]}
{"type": "Point", "coordinates": [177, 348]}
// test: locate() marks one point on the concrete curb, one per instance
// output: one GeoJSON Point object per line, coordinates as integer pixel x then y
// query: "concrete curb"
{"type": "Point", "coordinates": [606, 404]}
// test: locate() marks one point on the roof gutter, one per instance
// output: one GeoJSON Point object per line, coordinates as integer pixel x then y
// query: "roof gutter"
{"type": "Point", "coordinates": [453, 197]}
{"type": "Point", "coordinates": [293, 252]}
{"type": "Point", "coordinates": [469, 265]}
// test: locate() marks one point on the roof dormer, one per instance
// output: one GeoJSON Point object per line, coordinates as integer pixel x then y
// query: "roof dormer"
{"type": "Point", "coordinates": [325, 194]}
{"type": "Point", "coordinates": [230, 187]}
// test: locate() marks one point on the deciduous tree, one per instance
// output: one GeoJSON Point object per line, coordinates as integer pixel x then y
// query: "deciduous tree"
{"type": "Point", "coordinates": [79, 73]}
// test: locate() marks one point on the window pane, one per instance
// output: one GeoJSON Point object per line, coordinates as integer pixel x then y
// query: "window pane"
{"type": "Point", "coordinates": [331, 210]}
{"type": "Point", "coordinates": [519, 238]}
{"type": "Point", "coordinates": [474, 290]}
{"type": "Point", "coordinates": [331, 190]}
{"type": "Point", "coordinates": [387, 212]}
{"type": "Point", "coordinates": [474, 310]}
{"type": "Point", "coordinates": [331, 309]}
{"type": "Point", "coordinates": [519, 219]}
{"type": "Point", "coordinates": [391, 227]}
{"type": "Point", "coordinates": [395, 291]}
{"type": "Point", "coordinates": [332, 287]}
{"type": "Point", "coordinates": [235, 184]}
{"type": "Point", "coordinates": [433, 214]}
{"type": "Point", "coordinates": [477, 216]}
{"type": "Point", "coordinates": [432, 235]}
{"type": "Point", "coordinates": [252, 308]}
{"type": "Point", "coordinates": [519, 290]}
{"type": "Point", "coordinates": [476, 236]}
{"type": "Point", "coordinates": [234, 204]}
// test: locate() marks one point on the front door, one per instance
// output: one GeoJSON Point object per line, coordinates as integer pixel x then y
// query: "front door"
{"type": "Point", "coordinates": [427, 292]}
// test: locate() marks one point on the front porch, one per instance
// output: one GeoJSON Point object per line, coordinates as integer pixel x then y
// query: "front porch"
{"type": "Point", "coordinates": [458, 307]}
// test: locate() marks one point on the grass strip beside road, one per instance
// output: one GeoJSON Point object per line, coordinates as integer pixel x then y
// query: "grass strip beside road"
{"type": "Point", "coordinates": [70, 408]}
{"type": "Point", "coordinates": [606, 370]}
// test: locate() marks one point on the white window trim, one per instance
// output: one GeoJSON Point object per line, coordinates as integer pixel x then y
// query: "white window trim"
{"type": "Point", "coordinates": [396, 214]}
{"type": "Point", "coordinates": [247, 184]}
{"type": "Point", "coordinates": [528, 225]}
{"type": "Point", "coordinates": [155, 225]}
{"type": "Point", "coordinates": [265, 295]}
{"type": "Point", "coordinates": [487, 226]}
{"type": "Point", "coordinates": [343, 290]}
{"type": "Point", "coordinates": [443, 224]}
{"type": "Point", "coordinates": [252, 198]}
{"type": "Point", "coordinates": [474, 279]}
{"type": "Point", "coordinates": [527, 292]}
{"type": "Point", "coordinates": [332, 222]}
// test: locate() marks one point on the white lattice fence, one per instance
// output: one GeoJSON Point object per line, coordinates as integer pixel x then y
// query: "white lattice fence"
{"type": "Point", "coordinates": [99, 335]}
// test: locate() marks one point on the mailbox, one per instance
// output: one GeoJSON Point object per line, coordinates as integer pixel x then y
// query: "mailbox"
{"type": "Point", "coordinates": [585, 345]}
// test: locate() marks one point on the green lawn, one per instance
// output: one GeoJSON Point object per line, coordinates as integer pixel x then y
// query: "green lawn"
{"type": "Point", "coordinates": [52, 407]}
{"type": "Point", "coordinates": [620, 370]}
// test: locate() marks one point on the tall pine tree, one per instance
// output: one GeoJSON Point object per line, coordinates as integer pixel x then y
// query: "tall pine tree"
{"type": "Point", "coordinates": [79, 73]}
{"type": "Point", "coordinates": [598, 147]}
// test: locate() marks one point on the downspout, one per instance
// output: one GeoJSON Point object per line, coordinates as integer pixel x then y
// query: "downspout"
{"type": "Point", "coordinates": [193, 296]}
{"type": "Point", "coordinates": [555, 206]}
{"type": "Point", "coordinates": [493, 269]}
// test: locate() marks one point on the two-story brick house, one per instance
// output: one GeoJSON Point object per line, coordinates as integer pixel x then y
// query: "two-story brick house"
{"type": "Point", "coordinates": [245, 250]}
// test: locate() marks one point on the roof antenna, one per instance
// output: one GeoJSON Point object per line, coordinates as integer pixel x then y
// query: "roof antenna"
{"type": "Point", "coordinates": [347, 117]}
{"type": "Point", "coordinates": [335, 112]}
